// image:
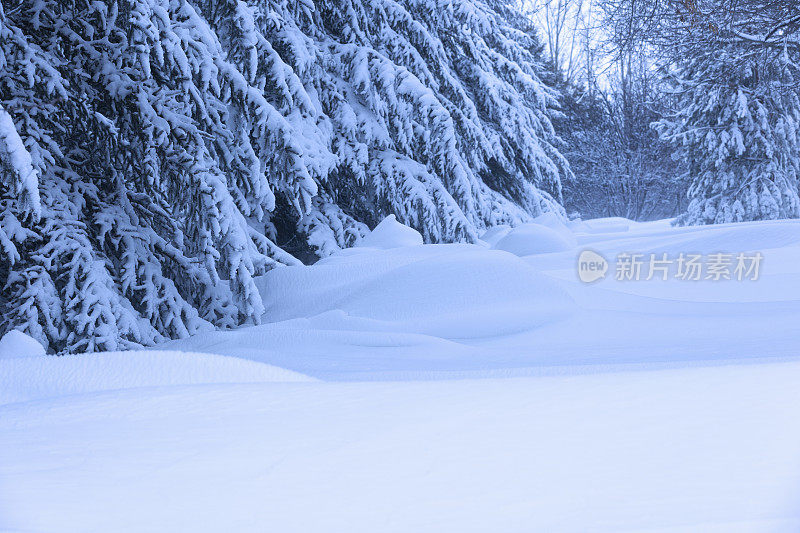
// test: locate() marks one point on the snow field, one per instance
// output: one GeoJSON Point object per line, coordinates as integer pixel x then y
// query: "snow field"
{"type": "Point", "coordinates": [708, 449]}
{"type": "Point", "coordinates": [638, 406]}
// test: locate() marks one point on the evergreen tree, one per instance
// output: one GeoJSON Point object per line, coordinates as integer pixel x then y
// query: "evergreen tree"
{"type": "Point", "coordinates": [735, 67]}
{"type": "Point", "coordinates": [158, 155]}
{"type": "Point", "coordinates": [738, 127]}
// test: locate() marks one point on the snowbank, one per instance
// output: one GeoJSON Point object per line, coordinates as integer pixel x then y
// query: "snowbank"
{"type": "Point", "coordinates": [602, 225]}
{"type": "Point", "coordinates": [495, 233]}
{"type": "Point", "coordinates": [530, 239]}
{"type": "Point", "coordinates": [547, 233]}
{"type": "Point", "coordinates": [453, 291]}
{"type": "Point", "coordinates": [46, 377]}
{"type": "Point", "coordinates": [459, 311]}
{"type": "Point", "coordinates": [552, 221]}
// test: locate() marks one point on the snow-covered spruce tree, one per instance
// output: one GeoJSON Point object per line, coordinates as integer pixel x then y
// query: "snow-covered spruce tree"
{"type": "Point", "coordinates": [131, 116]}
{"type": "Point", "coordinates": [738, 127]}
{"type": "Point", "coordinates": [155, 152]}
{"type": "Point", "coordinates": [435, 109]}
{"type": "Point", "coordinates": [735, 66]}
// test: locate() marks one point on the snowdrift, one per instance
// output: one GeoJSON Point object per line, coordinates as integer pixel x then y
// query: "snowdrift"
{"type": "Point", "coordinates": [531, 239]}
{"type": "Point", "coordinates": [429, 312]}
{"type": "Point", "coordinates": [29, 378]}
{"type": "Point", "coordinates": [447, 290]}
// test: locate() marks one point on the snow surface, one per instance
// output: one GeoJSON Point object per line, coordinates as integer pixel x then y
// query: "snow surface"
{"type": "Point", "coordinates": [462, 388]}
{"type": "Point", "coordinates": [51, 377]}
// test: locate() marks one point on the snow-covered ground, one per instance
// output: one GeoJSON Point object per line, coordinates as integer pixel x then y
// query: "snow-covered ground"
{"type": "Point", "coordinates": [408, 387]}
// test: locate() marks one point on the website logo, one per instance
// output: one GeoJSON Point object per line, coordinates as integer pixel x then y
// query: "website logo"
{"type": "Point", "coordinates": [591, 266]}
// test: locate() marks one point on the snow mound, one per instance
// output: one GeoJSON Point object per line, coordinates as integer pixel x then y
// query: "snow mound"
{"type": "Point", "coordinates": [552, 221]}
{"type": "Point", "coordinates": [16, 344]}
{"type": "Point", "coordinates": [530, 239]}
{"type": "Point", "coordinates": [602, 225]}
{"type": "Point", "coordinates": [452, 291]}
{"type": "Point", "coordinates": [46, 377]}
{"type": "Point", "coordinates": [495, 233]}
{"type": "Point", "coordinates": [391, 234]}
